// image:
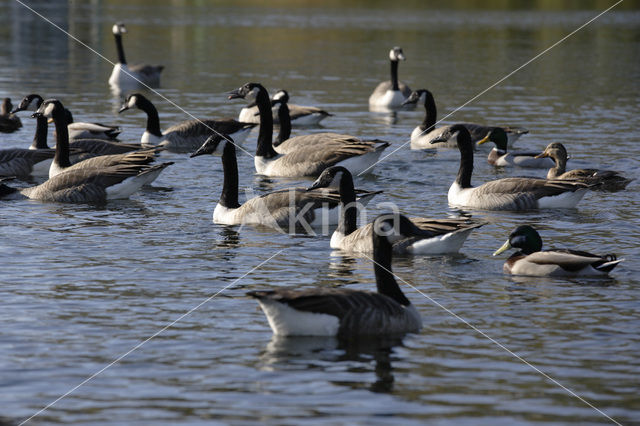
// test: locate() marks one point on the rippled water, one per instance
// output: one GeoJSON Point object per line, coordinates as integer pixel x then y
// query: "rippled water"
{"type": "Point", "coordinates": [82, 285]}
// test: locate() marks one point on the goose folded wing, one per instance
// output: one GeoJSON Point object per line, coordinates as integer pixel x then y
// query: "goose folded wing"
{"type": "Point", "coordinates": [102, 147]}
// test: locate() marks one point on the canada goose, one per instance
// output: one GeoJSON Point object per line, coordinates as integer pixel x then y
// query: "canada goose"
{"type": "Point", "coordinates": [604, 180]}
{"type": "Point", "coordinates": [500, 157]}
{"type": "Point", "coordinates": [506, 194]}
{"type": "Point", "coordinates": [20, 162]}
{"type": "Point", "coordinates": [186, 136]}
{"type": "Point", "coordinates": [88, 185]}
{"type": "Point", "coordinates": [9, 123]}
{"type": "Point", "coordinates": [284, 117]}
{"type": "Point", "coordinates": [423, 135]}
{"type": "Point", "coordinates": [276, 209]}
{"type": "Point", "coordinates": [300, 115]}
{"type": "Point", "coordinates": [126, 77]}
{"type": "Point", "coordinates": [53, 108]}
{"type": "Point", "coordinates": [345, 312]}
{"type": "Point", "coordinates": [306, 155]}
{"type": "Point", "coordinates": [532, 260]}
{"type": "Point", "coordinates": [440, 235]}
{"type": "Point", "coordinates": [31, 103]}
{"type": "Point", "coordinates": [391, 94]}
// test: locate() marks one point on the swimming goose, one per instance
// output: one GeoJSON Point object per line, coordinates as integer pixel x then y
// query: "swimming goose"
{"type": "Point", "coordinates": [532, 260]}
{"type": "Point", "coordinates": [88, 185]}
{"type": "Point", "coordinates": [440, 235]}
{"type": "Point", "coordinates": [306, 155]}
{"type": "Point", "coordinates": [500, 157]}
{"type": "Point", "coordinates": [284, 117]}
{"type": "Point", "coordinates": [509, 193]}
{"type": "Point", "coordinates": [392, 93]}
{"type": "Point", "coordinates": [345, 312]}
{"type": "Point", "coordinates": [125, 77]}
{"type": "Point", "coordinates": [423, 135]}
{"type": "Point", "coordinates": [53, 108]}
{"type": "Point", "coordinates": [603, 180]}
{"type": "Point", "coordinates": [279, 209]}
{"type": "Point", "coordinates": [186, 136]}
{"type": "Point", "coordinates": [9, 123]}
{"type": "Point", "coordinates": [300, 115]}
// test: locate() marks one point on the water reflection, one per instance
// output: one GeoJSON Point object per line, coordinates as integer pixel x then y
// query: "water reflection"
{"type": "Point", "coordinates": [354, 354]}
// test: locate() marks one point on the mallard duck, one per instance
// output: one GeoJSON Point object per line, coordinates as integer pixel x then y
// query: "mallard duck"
{"type": "Point", "coordinates": [9, 122]}
{"type": "Point", "coordinates": [123, 76]}
{"type": "Point", "coordinates": [345, 312]}
{"type": "Point", "coordinates": [425, 135]}
{"type": "Point", "coordinates": [501, 158]}
{"type": "Point", "coordinates": [390, 94]}
{"type": "Point", "coordinates": [306, 155]}
{"type": "Point", "coordinates": [300, 115]}
{"type": "Point", "coordinates": [280, 209]}
{"type": "Point", "coordinates": [185, 136]}
{"type": "Point", "coordinates": [602, 180]}
{"type": "Point", "coordinates": [439, 235]}
{"type": "Point", "coordinates": [532, 260]}
{"type": "Point", "coordinates": [506, 194]}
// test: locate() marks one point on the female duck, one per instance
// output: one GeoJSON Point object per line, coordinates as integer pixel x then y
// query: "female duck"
{"type": "Point", "coordinates": [186, 136]}
{"type": "Point", "coordinates": [532, 260]}
{"type": "Point", "coordinates": [510, 193]}
{"type": "Point", "coordinates": [603, 180]}
{"type": "Point", "coordinates": [279, 209]}
{"type": "Point", "coordinates": [424, 135]}
{"type": "Point", "coordinates": [124, 77]}
{"type": "Point", "coordinates": [439, 235]}
{"type": "Point", "coordinates": [392, 93]}
{"type": "Point", "coordinates": [344, 312]}
{"type": "Point", "coordinates": [501, 158]}
{"type": "Point", "coordinates": [306, 155]}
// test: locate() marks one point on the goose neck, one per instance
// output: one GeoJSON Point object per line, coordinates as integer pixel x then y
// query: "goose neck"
{"type": "Point", "coordinates": [229, 196]}
{"type": "Point", "coordinates": [265, 136]}
{"type": "Point", "coordinates": [61, 157]}
{"type": "Point", "coordinates": [394, 76]}
{"type": "Point", "coordinates": [429, 122]}
{"type": "Point", "coordinates": [466, 161]}
{"type": "Point", "coordinates": [349, 212]}
{"type": "Point", "coordinates": [153, 120]}
{"type": "Point", "coordinates": [285, 124]}
{"type": "Point", "coordinates": [120, 49]}
{"type": "Point", "coordinates": [385, 281]}
{"type": "Point", "coordinates": [40, 138]}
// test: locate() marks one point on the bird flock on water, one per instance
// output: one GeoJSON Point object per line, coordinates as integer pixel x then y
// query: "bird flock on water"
{"type": "Point", "coordinates": [90, 165]}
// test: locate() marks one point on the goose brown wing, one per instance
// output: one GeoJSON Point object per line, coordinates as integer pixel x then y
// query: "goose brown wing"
{"type": "Point", "coordinates": [102, 147]}
{"type": "Point", "coordinates": [297, 111]}
{"type": "Point", "coordinates": [19, 162]}
{"type": "Point", "coordinates": [538, 187]}
{"type": "Point", "coordinates": [104, 161]}
{"type": "Point", "coordinates": [204, 128]}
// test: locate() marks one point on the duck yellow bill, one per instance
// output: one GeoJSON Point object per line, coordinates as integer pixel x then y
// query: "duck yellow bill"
{"type": "Point", "coordinates": [50, 120]}
{"type": "Point", "coordinates": [483, 140]}
{"type": "Point", "coordinates": [542, 155]}
{"type": "Point", "coordinates": [506, 246]}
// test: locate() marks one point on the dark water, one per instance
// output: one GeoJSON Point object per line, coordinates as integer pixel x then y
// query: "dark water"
{"type": "Point", "coordinates": [82, 285]}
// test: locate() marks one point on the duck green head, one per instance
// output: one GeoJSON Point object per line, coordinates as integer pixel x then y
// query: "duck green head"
{"type": "Point", "coordinates": [498, 136]}
{"type": "Point", "coordinates": [523, 237]}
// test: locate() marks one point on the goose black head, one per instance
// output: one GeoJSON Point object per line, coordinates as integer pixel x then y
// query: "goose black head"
{"type": "Point", "coordinates": [118, 28]}
{"type": "Point", "coordinates": [215, 144]}
{"type": "Point", "coordinates": [396, 54]}
{"type": "Point", "coordinates": [281, 96]}
{"type": "Point", "coordinates": [524, 237]}
{"type": "Point", "coordinates": [49, 108]}
{"type": "Point", "coordinates": [29, 103]}
{"type": "Point", "coordinates": [331, 178]}
{"type": "Point", "coordinates": [248, 91]}
{"type": "Point", "coordinates": [131, 102]}
{"type": "Point", "coordinates": [457, 132]}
